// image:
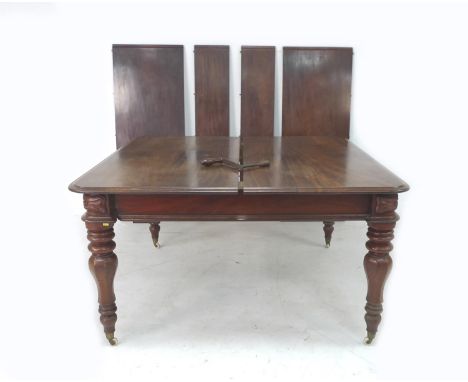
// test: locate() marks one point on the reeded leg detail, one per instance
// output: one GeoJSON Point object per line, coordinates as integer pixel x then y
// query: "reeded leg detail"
{"type": "Point", "coordinates": [103, 261]}
{"type": "Point", "coordinates": [154, 229]}
{"type": "Point", "coordinates": [377, 262]}
{"type": "Point", "coordinates": [328, 229]}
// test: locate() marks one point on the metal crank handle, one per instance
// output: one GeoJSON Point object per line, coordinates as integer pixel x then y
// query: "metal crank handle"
{"type": "Point", "coordinates": [256, 165]}
{"type": "Point", "coordinates": [211, 161]}
{"type": "Point", "coordinates": [225, 162]}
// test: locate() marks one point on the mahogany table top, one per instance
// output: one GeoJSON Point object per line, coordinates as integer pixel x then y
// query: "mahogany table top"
{"type": "Point", "coordinates": [156, 165]}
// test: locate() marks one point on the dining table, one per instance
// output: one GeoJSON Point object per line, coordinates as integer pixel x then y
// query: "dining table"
{"type": "Point", "coordinates": [222, 178]}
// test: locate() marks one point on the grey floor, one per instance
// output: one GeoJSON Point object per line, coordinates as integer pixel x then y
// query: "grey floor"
{"type": "Point", "coordinates": [231, 302]}
{"type": "Point", "coordinates": [256, 282]}
{"type": "Point", "coordinates": [268, 297]}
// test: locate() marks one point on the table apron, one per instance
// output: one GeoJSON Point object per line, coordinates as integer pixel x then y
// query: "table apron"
{"type": "Point", "coordinates": [148, 208]}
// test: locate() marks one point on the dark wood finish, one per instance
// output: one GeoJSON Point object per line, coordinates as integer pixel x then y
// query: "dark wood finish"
{"type": "Point", "coordinates": [154, 229]}
{"type": "Point", "coordinates": [317, 91]}
{"type": "Point", "coordinates": [241, 207]}
{"type": "Point", "coordinates": [148, 91]}
{"type": "Point", "coordinates": [103, 261]}
{"type": "Point", "coordinates": [316, 176]}
{"type": "Point", "coordinates": [314, 164]}
{"type": "Point", "coordinates": [297, 165]}
{"type": "Point", "coordinates": [317, 95]}
{"type": "Point", "coordinates": [162, 165]}
{"type": "Point", "coordinates": [328, 230]}
{"type": "Point", "coordinates": [377, 262]}
{"type": "Point", "coordinates": [211, 90]}
{"type": "Point", "coordinates": [257, 90]}
{"type": "Point", "coordinates": [309, 179]}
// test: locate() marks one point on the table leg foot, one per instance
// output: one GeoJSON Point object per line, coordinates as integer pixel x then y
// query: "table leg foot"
{"type": "Point", "coordinates": [154, 229]}
{"type": "Point", "coordinates": [328, 230]}
{"type": "Point", "coordinates": [112, 340]}
{"type": "Point", "coordinates": [370, 337]}
{"type": "Point", "coordinates": [103, 267]}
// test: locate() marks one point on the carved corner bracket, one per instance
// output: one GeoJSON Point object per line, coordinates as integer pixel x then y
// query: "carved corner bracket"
{"type": "Point", "coordinates": [99, 208]}
{"type": "Point", "coordinates": [383, 208]}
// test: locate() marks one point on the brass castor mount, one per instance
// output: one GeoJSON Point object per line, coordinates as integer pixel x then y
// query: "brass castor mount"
{"type": "Point", "coordinates": [112, 340]}
{"type": "Point", "coordinates": [370, 337]}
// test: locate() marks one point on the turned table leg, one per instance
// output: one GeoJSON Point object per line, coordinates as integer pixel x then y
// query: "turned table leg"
{"type": "Point", "coordinates": [377, 262]}
{"type": "Point", "coordinates": [154, 229]}
{"type": "Point", "coordinates": [103, 261]}
{"type": "Point", "coordinates": [328, 230]}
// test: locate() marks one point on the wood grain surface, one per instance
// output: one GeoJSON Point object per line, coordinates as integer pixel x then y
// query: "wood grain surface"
{"type": "Point", "coordinates": [317, 91]}
{"type": "Point", "coordinates": [241, 207]}
{"type": "Point", "coordinates": [297, 165]}
{"type": "Point", "coordinates": [148, 91]}
{"type": "Point", "coordinates": [212, 90]}
{"type": "Point", "coordinates": [164, 165]}
{"type": "Point", "coordinates": [314, 164]}
{"type": "Point", "coordinates": [257, 90]}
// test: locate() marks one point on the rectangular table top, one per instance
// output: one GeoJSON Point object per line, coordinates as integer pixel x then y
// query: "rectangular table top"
{"type": "Point", "coordinates": [155, 165]}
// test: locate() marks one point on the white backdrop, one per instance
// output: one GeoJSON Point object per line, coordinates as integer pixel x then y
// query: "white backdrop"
{"type": "Point", "coordinates": [409, 110]}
